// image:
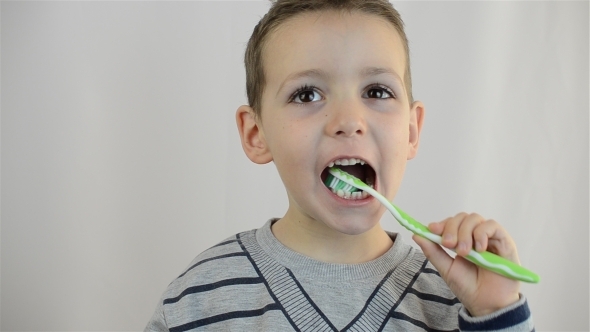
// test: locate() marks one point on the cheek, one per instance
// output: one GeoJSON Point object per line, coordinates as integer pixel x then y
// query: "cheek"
{"type": "Point", "coordinates": [393, 131]}
{"type": "Point", "coordinates": [292, 147]}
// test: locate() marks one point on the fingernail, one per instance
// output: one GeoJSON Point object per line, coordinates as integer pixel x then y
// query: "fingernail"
{"type": "Point", "coordinates": [478, 246]}
{"type": "Point", "coordinates": [448, 237]}
{"type": "Point", "coordinates": [462, 247]}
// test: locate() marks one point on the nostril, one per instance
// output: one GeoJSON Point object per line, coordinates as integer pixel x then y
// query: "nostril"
{"type": "Point", "coordinates": [346, 127]}
{"type": "Point", "coordinates": [352, 133]}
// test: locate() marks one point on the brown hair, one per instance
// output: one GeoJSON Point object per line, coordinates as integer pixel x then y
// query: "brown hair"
{"type": "Point", "coordinates": [282, 10]}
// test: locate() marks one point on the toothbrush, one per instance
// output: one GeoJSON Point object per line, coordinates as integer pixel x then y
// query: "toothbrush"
{"type": "Point", "coordinates": [339, 180]}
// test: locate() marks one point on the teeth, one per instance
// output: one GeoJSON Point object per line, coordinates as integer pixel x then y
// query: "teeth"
{"type": "Point", "coordinates": [347, 162]}
{"type": "Point", "coordinates": [349, 195]}
{"type": "Point", "coordinates": [345, 193]}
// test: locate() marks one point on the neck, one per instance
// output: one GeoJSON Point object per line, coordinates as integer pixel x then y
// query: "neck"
{"type": "Point", "coordinates": [314, 239]}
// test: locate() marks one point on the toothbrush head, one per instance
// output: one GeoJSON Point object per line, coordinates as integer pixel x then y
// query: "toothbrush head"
{"type": "Point", "coordinates": [336, 184]}
{"type": "Point", "coordinates": [335, 181]}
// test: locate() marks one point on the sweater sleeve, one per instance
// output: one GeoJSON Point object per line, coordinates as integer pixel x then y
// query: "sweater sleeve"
{"type": "Point", "coordinates": [514, 318]}
{"type": "Point", "coordinates": [158, 322]}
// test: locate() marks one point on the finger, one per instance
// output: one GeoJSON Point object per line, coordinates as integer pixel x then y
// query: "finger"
{"type": "Point", "coordinates": [482, 233]}
{"type": "Point", "coordinates": [438, 227]}
{"type": "Point", "coordinates": [495, 238]}
{"type": "Point", "coordinates": [451, 228]}
{"type": "Point", "coordinates": [465, 233]}
{"type": "Point", "coordinates": [435, 254]}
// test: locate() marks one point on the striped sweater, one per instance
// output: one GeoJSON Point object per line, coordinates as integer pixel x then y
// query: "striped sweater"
{"type": "Point", "coordinates": [251, 282]}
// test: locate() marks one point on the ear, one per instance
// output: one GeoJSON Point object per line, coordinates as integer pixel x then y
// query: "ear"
{"type": "Point", "coordinates": [416, 121]}
{"type": "Point", "coordinates": [252, 136]}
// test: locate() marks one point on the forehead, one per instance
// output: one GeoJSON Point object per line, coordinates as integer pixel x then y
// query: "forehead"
{"type": "Point", "coordinates": [340, 43]}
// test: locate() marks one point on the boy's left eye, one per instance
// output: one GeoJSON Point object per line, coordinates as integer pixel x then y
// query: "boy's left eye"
{"type": "Point", "coordinates": [379, 92]}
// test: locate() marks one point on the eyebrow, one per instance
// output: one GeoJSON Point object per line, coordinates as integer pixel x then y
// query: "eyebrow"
{"type": "Point", "coordinates": [374, 71]}
{"type": "Point", "coordinates": [306, 73]}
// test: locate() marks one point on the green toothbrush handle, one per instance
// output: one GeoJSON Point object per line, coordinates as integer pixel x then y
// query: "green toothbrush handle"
{"type": "Point", "coordinates": [484, 259]}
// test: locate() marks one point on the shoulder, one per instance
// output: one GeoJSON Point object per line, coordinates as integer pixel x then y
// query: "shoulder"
{"type": "Point", "coordinates": [226, 260]}
{"type": "Point", "coordinates": [221, 289]}
{"type": "Point", "coordinates": [221, 283]}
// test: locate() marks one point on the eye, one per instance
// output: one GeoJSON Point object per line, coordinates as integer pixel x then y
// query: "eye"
{"type": "Point", "coordinates": [379, 92]}
{"type": "Point", "coordinates": [306, 94]}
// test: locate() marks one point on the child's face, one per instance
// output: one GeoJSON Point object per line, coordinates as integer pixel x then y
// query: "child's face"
{"type": "Point", "coordinates": [354, 105]}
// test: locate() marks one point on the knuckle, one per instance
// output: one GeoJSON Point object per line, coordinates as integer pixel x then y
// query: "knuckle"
{"type": "Point", "coordinates": [492, 222]}
{"type": "Point", "coordinates": [461, 215]}
{"type": "Point", "coordinates": [476, 218]}
{"type": "Point", "coordinates": [446, 221]}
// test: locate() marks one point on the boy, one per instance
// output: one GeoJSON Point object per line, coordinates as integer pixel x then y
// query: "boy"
{"type": "Point", "coordinates": [328, 82]}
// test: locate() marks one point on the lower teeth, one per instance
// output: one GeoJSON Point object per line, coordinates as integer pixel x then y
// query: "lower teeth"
{"type": "Point", "coordinates": [353, 196]}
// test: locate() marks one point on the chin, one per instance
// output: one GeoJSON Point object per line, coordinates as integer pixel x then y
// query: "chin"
{"type": "Point", "coordinates": [354, 226]}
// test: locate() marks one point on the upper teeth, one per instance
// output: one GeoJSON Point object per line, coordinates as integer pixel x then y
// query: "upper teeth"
{"type": "Point", "coordinates": [347, 162]}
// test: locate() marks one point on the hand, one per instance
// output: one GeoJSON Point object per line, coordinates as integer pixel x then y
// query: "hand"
{"type": "Point", "coordinates": [479, 290]}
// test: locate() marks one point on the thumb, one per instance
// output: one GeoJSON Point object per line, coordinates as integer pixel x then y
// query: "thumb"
{"type": "Point", "coordinates": [435, 254]}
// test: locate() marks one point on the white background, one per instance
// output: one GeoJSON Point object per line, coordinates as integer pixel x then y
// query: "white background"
{"type": "Point", "coordinates": [121, 160]}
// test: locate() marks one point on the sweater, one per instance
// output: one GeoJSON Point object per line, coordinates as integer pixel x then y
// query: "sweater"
{"type": "Point", "coordinates": [252, 282]}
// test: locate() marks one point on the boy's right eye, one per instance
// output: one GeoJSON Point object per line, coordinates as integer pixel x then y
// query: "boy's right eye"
{"type": "Point", "coordinates": [305, 95]}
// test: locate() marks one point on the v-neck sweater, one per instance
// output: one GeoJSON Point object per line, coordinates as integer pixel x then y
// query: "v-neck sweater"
{"type": "Point", "coordinates": [252, 282]}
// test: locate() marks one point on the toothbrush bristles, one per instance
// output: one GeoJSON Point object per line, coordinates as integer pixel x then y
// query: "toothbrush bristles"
{"type": "Point", "coordinates": [336, 184]}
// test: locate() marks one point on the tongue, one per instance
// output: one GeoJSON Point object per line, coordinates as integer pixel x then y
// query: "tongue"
{"type": "Point", "coordinates": [355, 170]}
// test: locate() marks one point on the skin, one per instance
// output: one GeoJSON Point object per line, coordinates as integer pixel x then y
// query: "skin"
{"type": "Point", "coordinates": [357, 107]}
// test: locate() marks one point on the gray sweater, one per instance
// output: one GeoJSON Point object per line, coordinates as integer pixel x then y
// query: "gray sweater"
{"type": "Point", "coordinates": [251, 282]}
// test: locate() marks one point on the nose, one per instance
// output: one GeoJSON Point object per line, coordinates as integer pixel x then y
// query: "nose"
{"type": "Point", "coordinates": [345, 120]}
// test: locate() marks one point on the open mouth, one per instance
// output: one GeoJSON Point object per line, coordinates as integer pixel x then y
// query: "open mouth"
{"type": "Point", "coordinates": [356, 167]}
